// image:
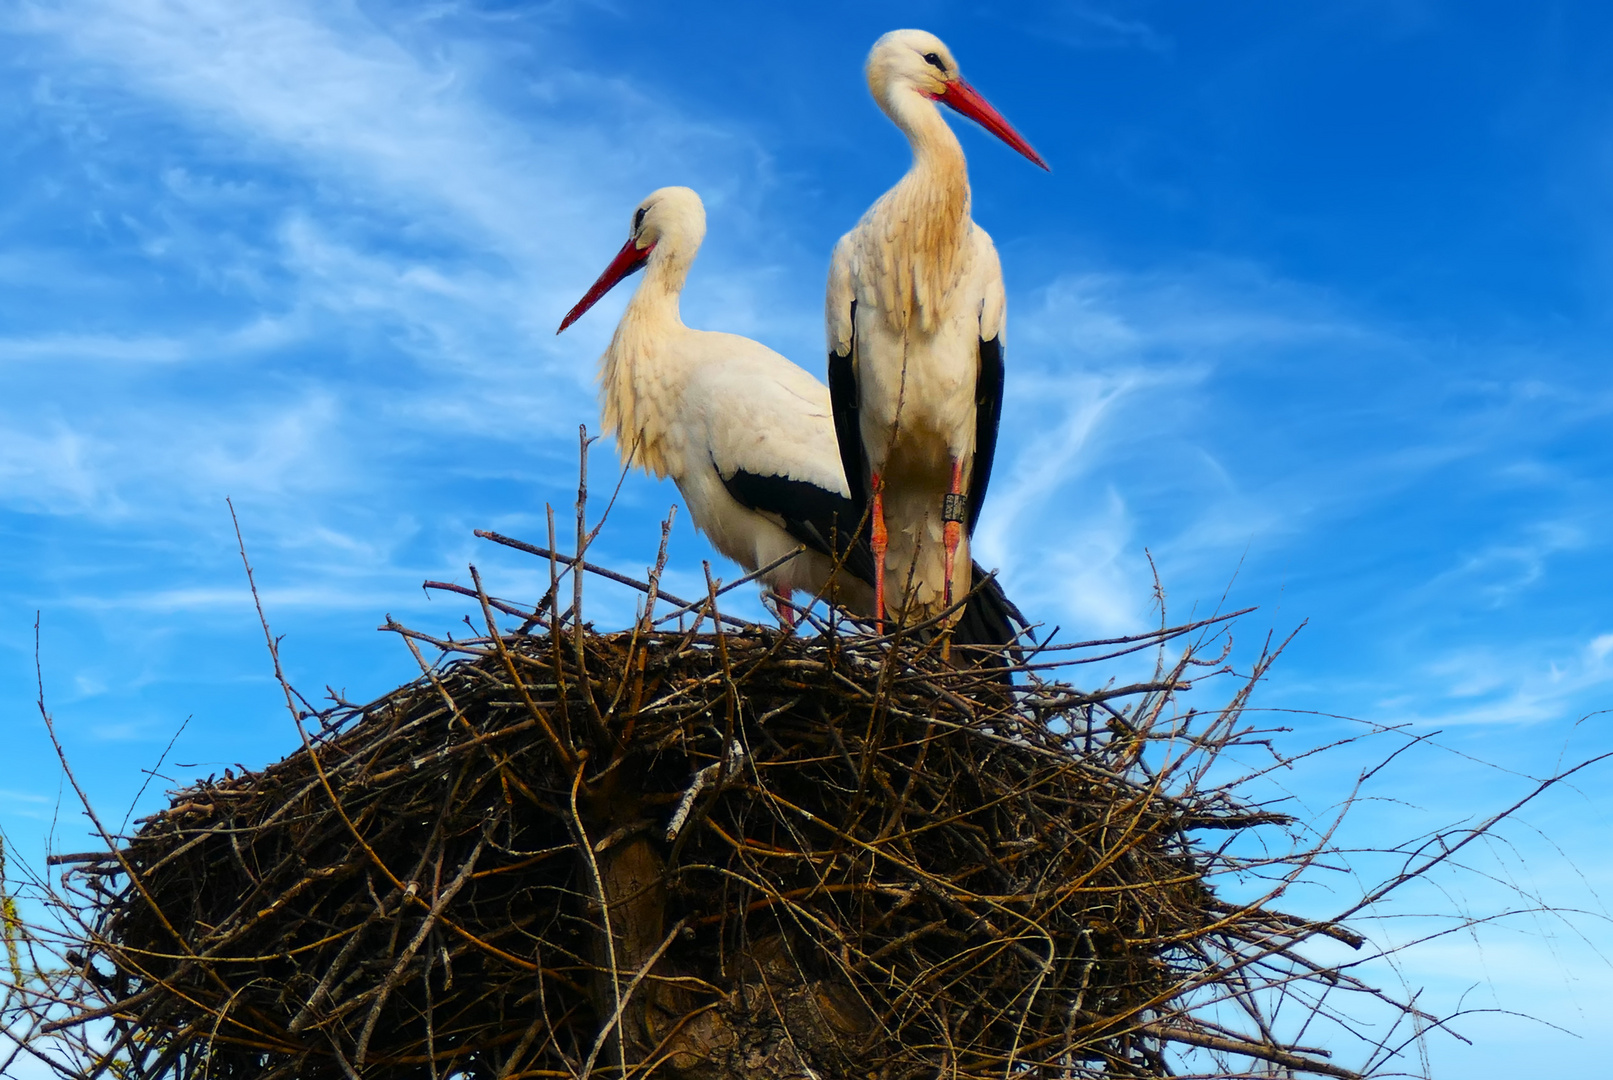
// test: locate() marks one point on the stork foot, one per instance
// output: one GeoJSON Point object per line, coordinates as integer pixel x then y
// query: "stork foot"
{"type": "Point", "coordinates": [879, 540]}
{"type": "Point", "coordinates": [951, 536]}
{"type": "Point", "coordinates": [783, 609]}
{"type": "Point", "coordinates": [953, 510]}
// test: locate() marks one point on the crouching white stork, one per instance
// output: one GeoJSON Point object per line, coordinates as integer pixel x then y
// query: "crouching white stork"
{"type": "Point", "coordinates": [745, 434]}
{"type": "Point", "coordinates": [915, 320]}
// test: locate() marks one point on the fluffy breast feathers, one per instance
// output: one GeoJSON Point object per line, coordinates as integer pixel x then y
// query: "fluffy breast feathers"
{"type": "Point", "coordinates": [909, 252]}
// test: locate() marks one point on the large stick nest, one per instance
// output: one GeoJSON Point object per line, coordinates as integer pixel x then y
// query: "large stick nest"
{"type": "Point", "coordinates": [703, 855]}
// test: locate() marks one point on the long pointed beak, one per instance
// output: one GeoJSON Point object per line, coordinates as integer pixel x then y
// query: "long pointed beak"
{"type": "Point", "coordinates": [966, 99]}
{"type": "Point", "coordinates": [627, 260]}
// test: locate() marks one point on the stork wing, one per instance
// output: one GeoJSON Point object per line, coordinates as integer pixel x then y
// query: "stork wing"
{"type": "Point", "coordinates": [988, 280]}
{"type": "Point", "coordinates": [825, 521]}
{"type": "Point", "coordinates": [844, 403]}
{"type": "Point", "coordinates": [988, 413]}
{"type": "Point", "coordinates": [840, 318]}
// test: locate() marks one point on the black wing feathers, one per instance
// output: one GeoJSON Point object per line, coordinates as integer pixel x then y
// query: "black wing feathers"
{"type": "Point", "coordinates": [988, 413]}
{"type": "Point", "coordinates": [823, 520]}
{"type": "Point", "coordinates": [990, 619]}
{"type": "Point", "coordinates": [844, 402]}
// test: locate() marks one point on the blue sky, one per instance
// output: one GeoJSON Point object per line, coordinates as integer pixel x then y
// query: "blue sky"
{"type": "Point", "coordinates": [1313, 308]}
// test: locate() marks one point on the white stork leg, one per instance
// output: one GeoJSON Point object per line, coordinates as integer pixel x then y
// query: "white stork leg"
{"type": "Point", "coordinates": [952, 529]}
{"type": "Point", "coordinates": [879, 540]}
{"type": "Point", "coordinates": [786, 613]}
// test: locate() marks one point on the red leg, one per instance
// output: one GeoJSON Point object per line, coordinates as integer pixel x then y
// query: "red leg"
{"type": "Point", "coordinates": [879, 540]}
{"type": "Point", "coordinates": [952, 527]}
{"type": "Point", "coordinates": [786, 614]}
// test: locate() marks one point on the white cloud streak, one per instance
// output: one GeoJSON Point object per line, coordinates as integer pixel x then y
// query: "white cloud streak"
{"type": "Point", "coordinates": [1113, 384]}
{"type": "Point", "coordinates": [1483, 684]}
{"type": "Point", "coordinates": [412, 217]}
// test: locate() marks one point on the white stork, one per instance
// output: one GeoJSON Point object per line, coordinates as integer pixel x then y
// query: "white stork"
{"type": "Point", "coordinates": [915, 322]}
{"type": "Point", "coordinates": [745, 434]}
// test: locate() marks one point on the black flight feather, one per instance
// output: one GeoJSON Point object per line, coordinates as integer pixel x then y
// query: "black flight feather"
{"type": "Point", "coordinates": [846, 405]}
{"type": "Point", "coordinates": [826, 522]}
{"type": "Point", "coordinates": [988, 413]}
{"type": "Point", "coordinates": [990, 619]}
{"type": "Point", "coordinates": [823, 520]}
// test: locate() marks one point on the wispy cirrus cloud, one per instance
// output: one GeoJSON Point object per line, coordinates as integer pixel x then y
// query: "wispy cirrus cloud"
{"type": "Point", "coordinates": [316, 258]}
{"type": "Point", "coordinates": [1498, 572]}
{"type": "Point", "coordinates": [1085, 24]}
{"type": "Point", "coordinates": [1243, 428]}
{"type": "Point", "coordinates": [1118, 387]}
{"type": "Point", "coordinates": [391, 123]}
{"type": "Point", "coordinates": [1482, 684]}
{"type": "Point", "coordinates": [325, 87]}
{"type": "Point", "coordinates": [354, 209]}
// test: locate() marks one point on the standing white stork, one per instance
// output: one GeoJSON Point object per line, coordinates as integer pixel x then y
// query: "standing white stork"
{"type": "Point", "coordinates": [915, 322]}
{"type": "Point", "coordinates": [745, 434]}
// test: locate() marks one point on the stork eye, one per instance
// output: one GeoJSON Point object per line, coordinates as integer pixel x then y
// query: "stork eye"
{"type": "Point", "coordinates": [638, 218]}
{"type": "Point", "coordinates": [935, 62]}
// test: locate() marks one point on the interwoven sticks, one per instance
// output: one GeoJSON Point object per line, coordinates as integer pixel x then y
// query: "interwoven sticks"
{"type": "Point", "coordinates": [698, 855]}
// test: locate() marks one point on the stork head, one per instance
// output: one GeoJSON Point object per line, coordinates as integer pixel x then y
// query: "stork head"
{"type": "Point", "coordinates": [671, 221]}
{"type": "Point", "coordinates": [918, 61]}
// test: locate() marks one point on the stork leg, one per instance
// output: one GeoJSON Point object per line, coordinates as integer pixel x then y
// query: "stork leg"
{"type": "Point", "coordinates": [879, 540]}
{"type": "Point", "coordinates": [952, 527]}
{"type": "Point", "coordinates": [786, 613]}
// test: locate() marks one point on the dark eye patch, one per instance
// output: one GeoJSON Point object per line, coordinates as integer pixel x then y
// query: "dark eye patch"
{"type": "Point", "coordinates": [935, 61]}
{"type": "Point", "coordinates": [638, 218]}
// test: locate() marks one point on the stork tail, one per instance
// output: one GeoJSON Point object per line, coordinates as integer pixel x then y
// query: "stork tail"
{"type": "Point", "coordinates": [991, 620]}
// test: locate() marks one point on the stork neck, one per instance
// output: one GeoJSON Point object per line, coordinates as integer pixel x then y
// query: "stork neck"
{"type": "Point", "coordinates": [937, 155]}
{"type": "Point", "coordinates": [916, 233]}
{"type": "Point", "coordinates": [656, 300]}
{"type": "Point", "coordinates": [639, 361]}
{"type": "Point", "coordinates": [652, 316]}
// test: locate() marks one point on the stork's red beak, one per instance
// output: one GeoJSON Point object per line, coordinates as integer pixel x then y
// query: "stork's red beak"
{"type": "Point", "coordinates": [630, 258]}
{"type": "Point", "coordinates": [966, 99]}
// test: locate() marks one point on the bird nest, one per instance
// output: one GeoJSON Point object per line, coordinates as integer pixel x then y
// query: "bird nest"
{"type": "Point", "coordinates": [702, 851]}
{"type": "Point", "coordinates": [703, 848]}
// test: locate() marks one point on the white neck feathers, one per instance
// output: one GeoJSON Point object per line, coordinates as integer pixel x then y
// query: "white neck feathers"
{"type": "Point", "coordinates": [638, 377]}
{"type": "Point", "coordinates": [915, 236]}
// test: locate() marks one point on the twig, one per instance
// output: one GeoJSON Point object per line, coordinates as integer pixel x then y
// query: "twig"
{"type": "Point", "coordinates": [599, 571]}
